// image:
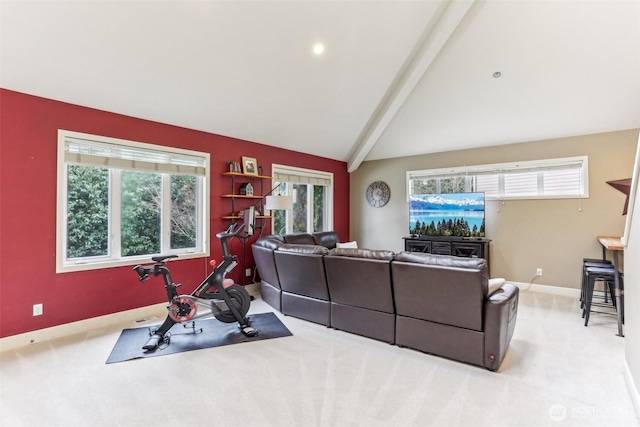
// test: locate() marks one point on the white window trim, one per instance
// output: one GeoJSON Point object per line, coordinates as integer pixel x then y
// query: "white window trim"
{"type": "Point", "coordinates": [496, 168]}
{"type": "Point", "coordinates": [63, 266]}
{"type": "Point", "coordinates": [307, 176]}
{"type": "Point", "coordinates": [633, 191]}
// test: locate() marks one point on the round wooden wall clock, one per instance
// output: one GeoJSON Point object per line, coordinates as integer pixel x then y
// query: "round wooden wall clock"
{"type": "Point", "coordinates": [378, 194]}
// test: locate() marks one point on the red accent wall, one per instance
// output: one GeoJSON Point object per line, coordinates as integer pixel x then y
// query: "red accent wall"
{"type": "Point", "coordinates": [28, 156]}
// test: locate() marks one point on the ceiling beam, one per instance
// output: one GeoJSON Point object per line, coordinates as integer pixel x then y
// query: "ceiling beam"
{"type": "Point", "coordinates": [437, 31]}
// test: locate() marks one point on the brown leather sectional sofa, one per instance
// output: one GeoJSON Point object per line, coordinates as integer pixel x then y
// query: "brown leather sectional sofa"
{"type": "Point", "coordinates": [437, 304]}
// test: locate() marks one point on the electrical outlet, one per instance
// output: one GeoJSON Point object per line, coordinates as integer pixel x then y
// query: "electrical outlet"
{"type": "Point", "coordinates": [37, 309]}
{"type": "Point", "coordinates": [539, 272]}
{"type": "Point", "coordinates": [247, 272]}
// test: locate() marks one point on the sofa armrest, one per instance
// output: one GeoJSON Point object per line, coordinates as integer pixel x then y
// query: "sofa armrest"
{"type": "Point", "coordinates": [266, 263]}
{"type": "Point", "coordinates": [269, 242]}
{"type": "Point", "coordinates": [501, 310]}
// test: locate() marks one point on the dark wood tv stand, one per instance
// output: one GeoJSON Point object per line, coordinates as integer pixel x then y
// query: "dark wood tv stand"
{"type": "Point", "coordinates": [470, 247]}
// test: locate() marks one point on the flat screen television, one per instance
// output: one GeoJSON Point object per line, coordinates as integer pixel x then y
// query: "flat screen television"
{"type": "Point", "coordinates": [458, 214]}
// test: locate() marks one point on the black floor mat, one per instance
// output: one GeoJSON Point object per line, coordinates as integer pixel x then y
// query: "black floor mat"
{"type": "Point", "coordinates": [214, 333]}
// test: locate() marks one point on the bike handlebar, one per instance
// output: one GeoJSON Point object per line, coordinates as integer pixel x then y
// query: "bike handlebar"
{"type": "Point", "coordinates": [143, 272]}
{"type": "Point", "coordinates": [230, 233]}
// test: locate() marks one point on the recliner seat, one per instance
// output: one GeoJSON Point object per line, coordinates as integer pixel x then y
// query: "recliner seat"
{"type": "Point", "coordinates": [359, 283]}
{"type": "Point", "coordinates": [436, 304]}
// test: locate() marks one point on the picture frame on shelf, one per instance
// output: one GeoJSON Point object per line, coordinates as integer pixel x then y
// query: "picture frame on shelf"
{"type": "Point", "coordinates": [249, 166]}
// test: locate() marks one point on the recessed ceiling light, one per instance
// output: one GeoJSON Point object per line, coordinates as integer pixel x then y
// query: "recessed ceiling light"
{"type": "Point", "coordinates": [318, 48]}
{"type": "Point", "coordinates": [497, 75]}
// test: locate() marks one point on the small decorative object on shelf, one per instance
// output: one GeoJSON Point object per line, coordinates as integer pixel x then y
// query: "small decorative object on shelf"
{"type": "Point", "coordinates": [246, 189]}
{"type": "Point", "coordinates": [234, 167]}
{"type": "Point", "coordinates": [249, 166]}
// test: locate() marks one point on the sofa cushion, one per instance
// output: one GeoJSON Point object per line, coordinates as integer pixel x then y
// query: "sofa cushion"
{"type": "Point", "coordinates": [303, 249]}
{"type": "Point", "coordinates": [301, 270]}
{"type": "Point", "coordinates": [328, 239]}
{"type": "Point", "coordinates": [440, 288]}
{"type": "Point", "coordinates": [360, 278]}
{"type": "Point", "coordinates": [363, 253]}
{"type": "Point", "coordinates": [299, 238]}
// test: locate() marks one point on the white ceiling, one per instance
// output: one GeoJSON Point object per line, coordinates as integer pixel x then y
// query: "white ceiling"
{"type": "Point", "coordinates": [397, 78]}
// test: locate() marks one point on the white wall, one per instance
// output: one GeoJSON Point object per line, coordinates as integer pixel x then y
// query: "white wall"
{"type": "Point", "coordinates": [526, 234]}
{"type": "Point", "coordinates": [632, 287]}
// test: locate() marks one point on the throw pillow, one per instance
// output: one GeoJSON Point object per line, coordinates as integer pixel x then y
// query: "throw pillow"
{"type": "Point", "coordinates": [495, 284]}
{"type": "Point", "coordinates": [353, 244]}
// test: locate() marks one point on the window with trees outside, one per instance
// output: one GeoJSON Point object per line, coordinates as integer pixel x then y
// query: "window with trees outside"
{"type": "Point", "coordinates": [312, 193]}
{"type": "Point", "coordinates": [121, 201]}
{"type": "Point", "coordinates": [538, 179]}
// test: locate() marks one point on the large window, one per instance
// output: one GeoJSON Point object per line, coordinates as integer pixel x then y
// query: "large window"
{"type": "Point", "coordinates": [312, 193]}
{"type": "Point", "coordinates": [540, 179]}
{"type": "Point", "coordinates": [122, 201]}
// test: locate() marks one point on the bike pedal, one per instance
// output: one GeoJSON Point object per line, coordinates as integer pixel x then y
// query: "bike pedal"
{"type": "Point", "coordinates": [153, 342]}
{"type": "Point", "coordinates": [249, 331]}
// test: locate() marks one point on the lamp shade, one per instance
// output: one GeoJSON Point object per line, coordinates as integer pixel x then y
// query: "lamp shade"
{"type": "Point", "coordinates": [279, 202]}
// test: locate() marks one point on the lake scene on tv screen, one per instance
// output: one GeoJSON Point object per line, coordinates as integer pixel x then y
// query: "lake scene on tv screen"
{"type": "Point", "coordinates": [458, 214]}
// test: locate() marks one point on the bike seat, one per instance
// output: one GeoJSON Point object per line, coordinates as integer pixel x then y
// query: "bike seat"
{"type": "Point", "coordinates": [161, 258]}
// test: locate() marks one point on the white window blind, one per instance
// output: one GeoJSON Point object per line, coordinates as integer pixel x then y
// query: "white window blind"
{"type": "Point", "coordinates": [301, 176]}
{"type": "Point", "coordinates": [489, 184]}
{"type": "Point", "coordinates": [547, 178]}
{"type": "Point", "coordinates": [558, 182]}
{"type": "Point", "coordinates": [521, 183]}
{"type": "Point", "coordinates": [132, 157]}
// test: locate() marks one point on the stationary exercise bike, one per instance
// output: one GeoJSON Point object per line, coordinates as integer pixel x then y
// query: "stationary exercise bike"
{"type": "Point", "coordinates": [220, 297]}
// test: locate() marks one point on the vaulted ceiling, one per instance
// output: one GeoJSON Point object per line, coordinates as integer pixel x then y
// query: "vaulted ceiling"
{"type": "Point", "coordinates": [396, 78]}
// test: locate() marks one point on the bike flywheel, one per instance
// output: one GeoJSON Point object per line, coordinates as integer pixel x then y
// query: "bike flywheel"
{"type": "Point", "coordinates": [241, 301]}
{"type": "Point", "coordinates": [183, 308]}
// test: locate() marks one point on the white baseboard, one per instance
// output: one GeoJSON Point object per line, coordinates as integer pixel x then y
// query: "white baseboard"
{"type": "Point", "coordinates": [160, 310]}
{"type": "Point", "coordinates": [151, 312]}
{"type": "Point", "coordinates": [156, 312]}
{"type": "Point", "coordinates": [633, 390]}
{"type": "Point", "coordinates": [547, 289]}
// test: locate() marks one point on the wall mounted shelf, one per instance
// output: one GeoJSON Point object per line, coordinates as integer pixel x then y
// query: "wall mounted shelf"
{"type": "Point", "coordinates": [245, 201]}
{"type": "Point", "coordinates": [234, 195]}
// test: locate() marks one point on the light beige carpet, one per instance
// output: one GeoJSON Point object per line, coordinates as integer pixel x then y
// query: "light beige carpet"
{"type": "Point", "coordinates": [556, 373]}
